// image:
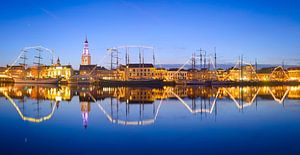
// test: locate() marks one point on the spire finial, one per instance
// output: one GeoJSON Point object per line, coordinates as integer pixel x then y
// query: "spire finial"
{"type": "Point", "coordinates": [86, 40]}
{"type": "Point", "coordinates": [58, 61]}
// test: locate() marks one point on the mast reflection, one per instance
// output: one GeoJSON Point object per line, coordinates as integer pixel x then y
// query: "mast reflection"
{"type": "Point", "coordinates": [136, 105]}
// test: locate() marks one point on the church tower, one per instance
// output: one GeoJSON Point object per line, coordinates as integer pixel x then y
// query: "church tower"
{"type": "Point", "coordinates": [86, 56]}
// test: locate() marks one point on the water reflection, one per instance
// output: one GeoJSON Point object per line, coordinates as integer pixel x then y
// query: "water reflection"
{"type": "Point", "coordinates": [135, 105]}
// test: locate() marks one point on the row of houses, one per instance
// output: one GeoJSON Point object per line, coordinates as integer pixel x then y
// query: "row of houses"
{"type": "Point", "coordinates": [149, 71]}
{"type": "Point", "coordinates": [52, 71]}
{"type": "Point", "coordinates": [149, 95]}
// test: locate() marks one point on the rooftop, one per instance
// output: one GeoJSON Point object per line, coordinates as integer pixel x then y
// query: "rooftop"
{"type": "Point", "coordinates": [140, 65]}
{"type": "Point", "coordinates": [294, 68]}
{"type": "Point", "coordinates": [87, 67]}
{"type": "Point", "coordinates": [176, 69]}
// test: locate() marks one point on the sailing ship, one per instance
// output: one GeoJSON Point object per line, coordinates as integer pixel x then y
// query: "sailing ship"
{"type": "Point", "coordinates": [33, 80]}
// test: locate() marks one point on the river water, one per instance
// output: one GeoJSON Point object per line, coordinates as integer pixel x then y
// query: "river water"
{"type": "Point", "coordinates": [47, 119]}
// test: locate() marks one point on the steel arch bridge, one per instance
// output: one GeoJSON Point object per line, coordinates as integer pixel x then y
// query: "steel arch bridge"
{"type": "Point", "coordinates": [149, 121]}
{"type": "Point", "coordinates": [27, 49]}
{"type": "Point", "coordinates": [26, 118]}
{"type": "Point", "coordinates": [115, 51]}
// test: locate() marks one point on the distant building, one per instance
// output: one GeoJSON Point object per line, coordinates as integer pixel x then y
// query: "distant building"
{"type": "Point", "coordinates": [139, 71]}
{"type": "Point", "coordinates": [272, 74]}
{"type": "Point", "coordinates": [87, 69]}
{"type": "Point", "coordinates": [248, 73]}
{"type": "Point", "coordinates": [2, 70]}
{"type": "Point", "coordinates": [58, 71]}
{"type": "Point", "coordinates": [16, 71]}
{"type": "Point", "coordinates": [203, 75]}
{"type": "Point", "coordinates": [86, 56]}
{"type": "Point", "coordinates": [53, 71]}
{"type": "Point", "coordinates": [294, 73]}
{"type": "Point", "coordinates": [105, 74]}
{"type": "Point", "coordinates": [264, 73]}
{"type": "Point", "coordinates": [161, 74]}
{"type": "Point", "coordinates": [233, 74]}
{"type": "Point", "coordinates": [221, 74]}
{"type": "Point", "coordinates": [177, 74]}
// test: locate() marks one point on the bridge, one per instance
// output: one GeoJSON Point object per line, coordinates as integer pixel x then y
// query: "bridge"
{"type": "Point", "coordinates": [27, 55]}
{"type": "Point", "coordinates": [208, 110]}
{"type": "Point", "coordinates": [239, 103]}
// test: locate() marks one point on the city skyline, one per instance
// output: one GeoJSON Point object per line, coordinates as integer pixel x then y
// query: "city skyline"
{"type": "Point", "coordinates": [149, 77]}
{"type": "Point", "coordinates": [268, 31]}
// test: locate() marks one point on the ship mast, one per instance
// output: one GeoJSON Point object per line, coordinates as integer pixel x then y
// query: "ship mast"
{"type": "Point", "coordinates": [24, 58]}
{"type": "Point", "coordinates": [39, 62]}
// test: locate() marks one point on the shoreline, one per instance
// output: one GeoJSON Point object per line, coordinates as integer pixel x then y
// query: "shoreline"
{"type": "Point", "coordinates": [159, 83]}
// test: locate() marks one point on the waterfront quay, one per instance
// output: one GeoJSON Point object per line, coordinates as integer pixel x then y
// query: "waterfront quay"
{"type": "Point", "coordinates": [144, 73]}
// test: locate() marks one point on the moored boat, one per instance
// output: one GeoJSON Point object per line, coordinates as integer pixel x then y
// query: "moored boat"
{"type": "Point", "coordinates": [37, 81]}
{"type": "Point", "coordinates": [142, 82]}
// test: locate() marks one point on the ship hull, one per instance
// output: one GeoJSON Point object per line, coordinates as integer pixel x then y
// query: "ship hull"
{"type": "Point", "coordinates": [37, 81]}
{"type": "Point", "coordinates": [148, 83]}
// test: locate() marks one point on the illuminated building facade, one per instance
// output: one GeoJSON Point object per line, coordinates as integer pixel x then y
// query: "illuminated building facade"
{"type": "Point", "coordinates": [233, 74]}
{"type": "Point", "coordinates": [272, 74]}
{"type": "Point", "coordinates": [86, 56]}
{"type": "Point", "coordinates": [161, 74]}
{"type": "Point", "coordinates": [203, 75]}
{"type": "Point", "coordinates": [221, 74]}
{"type": "Point", "coordinates": [139, 71]}
{"type": "Point", "coordinates": [53, 71]}
{"type": "Point", "coordinates": [87, 70]}
{"type": "Point", "coordinates": [248, 73]}
{"type": "Point", "coordinates": [58, 71]}
{"type": "Point", "coordinates": [16, 71]}
{"type": "Point", "coordinates": [105, 74]}
{"type": "Point", "coordinates": [294, 73]}
{"type": "Point", "coordinates": [177, 74]}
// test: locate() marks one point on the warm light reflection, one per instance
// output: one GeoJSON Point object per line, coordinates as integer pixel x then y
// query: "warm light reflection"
{"type": "Point", "coordinates": [123, 102]}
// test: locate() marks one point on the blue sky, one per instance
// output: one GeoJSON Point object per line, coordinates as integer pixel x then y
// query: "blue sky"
{"type": "Point", "coordinates": [266, 30]}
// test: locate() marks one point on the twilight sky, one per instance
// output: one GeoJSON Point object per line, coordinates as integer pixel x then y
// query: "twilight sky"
{"type": "Point", "coordinates": [262, 29]}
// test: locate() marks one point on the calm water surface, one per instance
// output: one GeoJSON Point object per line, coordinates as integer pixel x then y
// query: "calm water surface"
{"type": "Point", "coordinates": [170, 120]}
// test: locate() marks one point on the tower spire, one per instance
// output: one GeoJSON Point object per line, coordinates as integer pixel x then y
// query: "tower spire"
{"type": "Point", "coordinates": [86, 40]}
{"type": "Point", "coordinates": [86, 57]}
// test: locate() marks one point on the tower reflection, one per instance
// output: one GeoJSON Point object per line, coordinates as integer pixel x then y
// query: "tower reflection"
{"type": "Point", "coordinates": [135, 105]}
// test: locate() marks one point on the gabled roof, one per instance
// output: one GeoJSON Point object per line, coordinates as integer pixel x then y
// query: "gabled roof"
{"type": "Point", "coordinates": [294, 68]}
{"type": "Point", "coordinates": [176, 69]}
{"type": "Point", "coordinates": [100, 68]}
{"type": "Point", "coordinates": [87, 67]}
{"type": "Point", "coordinates": [160, 68]}
{"type": "Point", "coordinates": [266, 70]}
{"type": "Point", "coordinates": [2, 69]}
{"type": "Point", "coordinates": [232, 68]}
{"type": "Point", "coordinates": [140, 65]}
{"type": "Point", "coordinates": [15, 67]}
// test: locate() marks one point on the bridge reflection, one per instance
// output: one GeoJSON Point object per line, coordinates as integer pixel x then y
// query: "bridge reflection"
{"type": "Point", "coordinates": [137, 106]}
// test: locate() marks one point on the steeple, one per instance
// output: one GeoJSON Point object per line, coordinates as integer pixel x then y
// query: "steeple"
{"type": "Point", "coordinates": [86, 40]}
{"type": "Point", "coordinates": [58, 61]}
{"type": "Point", "coordinates": [86, 57]}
